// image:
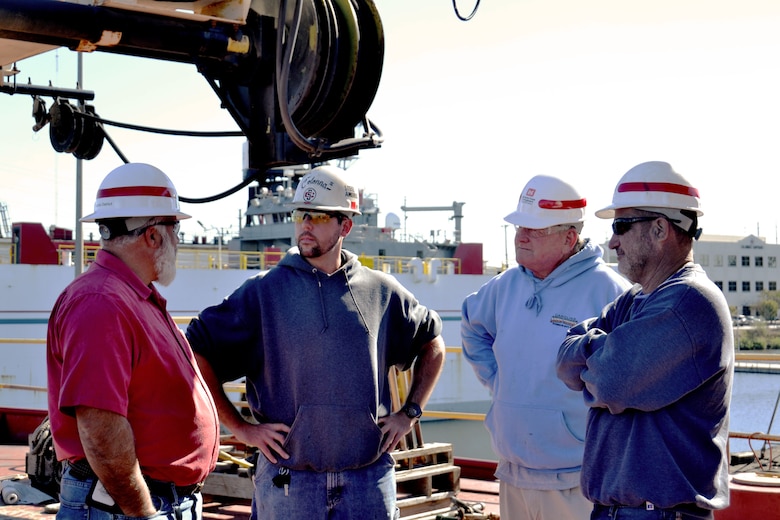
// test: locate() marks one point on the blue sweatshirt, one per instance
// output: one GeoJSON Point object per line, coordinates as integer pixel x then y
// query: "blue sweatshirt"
{"type": "Point", "coordinates": [315, 350]}
{"type": "Point", "coordinates": [511, 330]}
{"type": "Point", "coordinates": [656, 371]}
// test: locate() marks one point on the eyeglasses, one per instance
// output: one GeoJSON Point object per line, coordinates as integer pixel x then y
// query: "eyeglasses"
{"type": "Point", "coordinates": [623, 225]}
{"type": "Point", "coordinates": [316, 217]}
{"type": "Point", "coordinates": [539, 233]}
{"type": "Point", "coordinates": [175, 224]}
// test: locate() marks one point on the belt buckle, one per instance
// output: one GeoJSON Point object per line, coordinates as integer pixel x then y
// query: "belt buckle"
{"type": "Point", "coordinates": [190, 490]}
{"type": "Point", "coordinates": [182, 491]}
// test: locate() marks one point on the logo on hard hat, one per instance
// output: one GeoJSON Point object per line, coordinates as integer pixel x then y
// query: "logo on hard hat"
{"type": "Point", "coordinates": [528, 198]}
{"type": "Point", "coordinates": [309, 195]}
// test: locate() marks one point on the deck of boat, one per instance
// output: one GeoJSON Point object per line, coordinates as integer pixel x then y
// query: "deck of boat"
{"type": "Point", "coordinates": [12, 465]}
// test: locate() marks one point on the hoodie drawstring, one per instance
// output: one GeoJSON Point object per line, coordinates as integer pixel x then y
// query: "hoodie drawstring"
{"type": "Point", "coordinates": [316, 274]}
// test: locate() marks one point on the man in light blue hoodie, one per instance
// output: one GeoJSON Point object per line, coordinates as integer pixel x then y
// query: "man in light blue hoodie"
{"type": "Point", "coordinates": [511, 330]}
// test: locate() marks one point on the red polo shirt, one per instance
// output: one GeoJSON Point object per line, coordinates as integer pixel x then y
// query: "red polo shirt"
{"type": "Point", "coordinates": [112, 345]}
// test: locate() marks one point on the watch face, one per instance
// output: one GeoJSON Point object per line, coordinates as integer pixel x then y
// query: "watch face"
{"type": "Point", "coordinates": [412, 410]}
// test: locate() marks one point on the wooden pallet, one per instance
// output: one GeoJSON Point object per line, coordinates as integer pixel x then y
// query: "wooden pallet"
{"type": "Point", "coordinates": [420, 472]}
{"type": "Point", "coordinates": [426, 477]}
{"type": "Point", "coordinates": [228, 485]}
{"type": "Point", "coordinates": [432, 453]}
{"type": "Point", "coordinates": [426, 480]}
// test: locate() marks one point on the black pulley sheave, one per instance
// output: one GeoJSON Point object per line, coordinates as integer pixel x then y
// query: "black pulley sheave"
{"type": "Point", "coordinates": [64, 126]}
{"type": "Point", "coordinates": [90, 142]}
{"type": "Point", "coordinates": [71, 132]}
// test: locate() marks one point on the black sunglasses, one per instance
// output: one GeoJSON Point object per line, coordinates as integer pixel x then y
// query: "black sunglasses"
{"type": "Point", "coordinates": [622, 225]}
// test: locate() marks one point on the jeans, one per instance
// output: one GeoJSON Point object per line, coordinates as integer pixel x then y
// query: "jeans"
{"type": "Point", "coordinates": [641, 513]}
{"type": "Point", "coordinates": [73, 495]}
{"type": "Point", "coordinates": [357, 494]}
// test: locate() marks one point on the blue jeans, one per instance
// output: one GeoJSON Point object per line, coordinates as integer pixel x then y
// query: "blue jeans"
{"type": "Point", "coordinates": [73, 495]}
{"type": "Point", "coordinates": [641, 513]}
{"type": "Point", "coordinates": [357, 494]}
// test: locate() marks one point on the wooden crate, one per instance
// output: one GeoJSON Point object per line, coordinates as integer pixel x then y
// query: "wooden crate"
{"type": "Point", "coordinates": [426, 481]}
{"type": "Point", "coordinates": [229, 485]}
{"type": "Point", "coordinates": [425, 455]}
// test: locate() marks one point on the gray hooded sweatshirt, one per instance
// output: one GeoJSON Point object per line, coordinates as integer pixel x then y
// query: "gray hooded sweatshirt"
{"type": "Point", "coordinates": [315, 350]}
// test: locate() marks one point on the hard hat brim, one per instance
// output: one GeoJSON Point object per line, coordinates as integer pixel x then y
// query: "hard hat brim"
{"type": "Point", "coordinates": [121, 213]}
{"type": "Point", "coordinates": [608, 212]}
{"type": "Point", "coordinates": [523, 219]}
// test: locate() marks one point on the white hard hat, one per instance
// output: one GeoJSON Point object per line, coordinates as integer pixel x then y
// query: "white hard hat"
{"type": "Point", "coordinates": [653, 186]}
{"type": "Point", "coordinates": [325, 189]}
{"type": "Point", "coordinates": [547, 201]}
{"type": "Point", "coordinates": [137, 192]}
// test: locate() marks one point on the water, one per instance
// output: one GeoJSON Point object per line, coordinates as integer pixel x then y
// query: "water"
{"type": "Point", "coordinates": [753, 401]}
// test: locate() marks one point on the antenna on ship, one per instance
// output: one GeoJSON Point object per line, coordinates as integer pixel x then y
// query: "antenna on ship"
{"type": "Point", "coordinates": [5, 228]}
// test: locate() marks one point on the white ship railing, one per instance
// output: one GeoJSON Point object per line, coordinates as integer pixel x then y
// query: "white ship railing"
{"type": "Point", "coordinates": [209, 258]}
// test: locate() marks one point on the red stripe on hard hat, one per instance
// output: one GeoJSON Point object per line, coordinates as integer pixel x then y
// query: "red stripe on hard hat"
{"type": "Point", "coordinates": [665, 187]}
{"type": "Point", "coordinates": [561, 204]}
{"type": "Point", "coordinates": [136, 191]}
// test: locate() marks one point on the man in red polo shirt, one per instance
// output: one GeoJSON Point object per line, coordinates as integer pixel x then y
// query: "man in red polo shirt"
{"type": "Point", "coordinates": [131, 417]}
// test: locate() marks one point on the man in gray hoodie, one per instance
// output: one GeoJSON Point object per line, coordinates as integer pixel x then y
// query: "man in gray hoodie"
{"type": "Point", "coordinates": [315, 337]}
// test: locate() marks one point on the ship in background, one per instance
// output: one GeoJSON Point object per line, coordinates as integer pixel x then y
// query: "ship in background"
{"type": "Point", "coordinates": [267, 227]}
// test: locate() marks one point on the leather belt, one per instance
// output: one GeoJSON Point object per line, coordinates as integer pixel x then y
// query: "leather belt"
{"type": "Point", "coordinates": [650, 510]}
{"type": "Point", "coordinates": [81, 470]}
{"type": "Point", "coordinates": [171, 491]}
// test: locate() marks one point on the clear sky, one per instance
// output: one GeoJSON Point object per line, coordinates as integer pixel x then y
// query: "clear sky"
{"type": "Point", "coordinates": [470, 111]}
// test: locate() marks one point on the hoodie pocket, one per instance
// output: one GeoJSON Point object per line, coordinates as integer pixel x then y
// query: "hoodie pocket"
{"type": "Point", "coordinates": [534, 437]}
{"type": "Point", "coordinates": [332, 438]}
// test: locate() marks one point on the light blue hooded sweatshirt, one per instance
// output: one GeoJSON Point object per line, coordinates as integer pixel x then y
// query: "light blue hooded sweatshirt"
{"type": "Point", "coordinates": [511, 330]}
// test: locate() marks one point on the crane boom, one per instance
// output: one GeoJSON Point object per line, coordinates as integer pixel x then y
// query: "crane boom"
{"type": "Point", "coordinates": [298, 80]}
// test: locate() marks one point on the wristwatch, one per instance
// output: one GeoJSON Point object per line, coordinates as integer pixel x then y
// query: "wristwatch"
{"type": "Point", "coordinates": [412, 410]}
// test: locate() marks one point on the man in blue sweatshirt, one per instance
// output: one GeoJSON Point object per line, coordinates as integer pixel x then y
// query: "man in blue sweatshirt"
{"type": "Point", "coordinates": [314, 338]}
{"type": "Point", "coordinates": [656, 366]}
{"type": "Point", "coordinates": [511, 330]}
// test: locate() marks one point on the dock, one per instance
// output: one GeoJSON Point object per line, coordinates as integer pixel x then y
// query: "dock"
{"type": "Point", "coordinates": [756, 367]}
{"type": "Point", "coordinates": [757, 362]}
{"type": "Point", "coordinates": [418, 488]}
